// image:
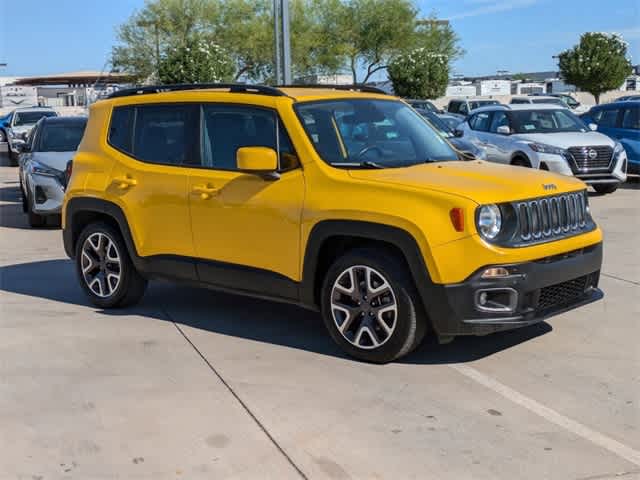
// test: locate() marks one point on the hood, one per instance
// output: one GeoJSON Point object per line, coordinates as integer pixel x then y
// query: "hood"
{"type": "Point", "coordinates": [22, 129]}
{"type": "Point", "coordinates": [55, 160]}
{"type": "Point", "coordinates": [482, 182]}
{"type": "Point", "coordinates": [567, 139]}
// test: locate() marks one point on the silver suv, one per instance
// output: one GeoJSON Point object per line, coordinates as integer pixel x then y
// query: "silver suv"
{"type": "Point", "coordinates": [15, 128]}
{"type": "Point", "coordinates": [550, 138]}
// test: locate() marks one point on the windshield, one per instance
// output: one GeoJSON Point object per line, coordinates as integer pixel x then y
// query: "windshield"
{"type": "Point", "coordinates": [371, 133]}
{"type": "Point", "coordinates": [31, 118]}
{"type": "Point", "coordinates": [550, 101]}
{"type": "Point", "coordinates": [546, 121]}
{"type": "Point", "coordinates": [61, 137]}
{"type": "Point", "coordinates": [482, 103]}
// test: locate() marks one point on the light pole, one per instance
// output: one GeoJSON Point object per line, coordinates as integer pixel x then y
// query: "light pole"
{"type": "Point", "coordinates": [282, 41]}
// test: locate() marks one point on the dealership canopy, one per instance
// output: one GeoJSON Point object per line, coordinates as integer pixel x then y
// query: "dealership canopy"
{"type": "Point", "coordinates": [76, 78]}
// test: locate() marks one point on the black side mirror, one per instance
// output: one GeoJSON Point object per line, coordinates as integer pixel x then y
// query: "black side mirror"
{"type": "Point", "coordinates": [21, 147]}
{"type": "Point", "coordinates": [458, 133]}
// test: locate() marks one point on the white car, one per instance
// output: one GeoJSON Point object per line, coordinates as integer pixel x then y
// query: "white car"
{"type": "Point", "coordinates": [15, 128]}
{"type": "Point", "coordinates": [550, 138]}
{"type": "Point", "coordinates": [44, 162]}
{"type": "Point", "coordinates": [559, 99]}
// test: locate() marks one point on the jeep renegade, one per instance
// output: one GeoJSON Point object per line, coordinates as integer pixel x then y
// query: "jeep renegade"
{"type": "Point", "coordinates": [339, 199]}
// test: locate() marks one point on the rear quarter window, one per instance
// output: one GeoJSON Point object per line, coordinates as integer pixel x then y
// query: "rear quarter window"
{"type": "Point", "coordinates": [121, 129]}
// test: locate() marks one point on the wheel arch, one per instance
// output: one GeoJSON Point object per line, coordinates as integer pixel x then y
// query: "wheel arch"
{"type": "Point", "coordinates": [331, 238]}
{"type": "Point", "coordinates": [80, 212]}
{"type": "Point", "coordinates": [522, 155]}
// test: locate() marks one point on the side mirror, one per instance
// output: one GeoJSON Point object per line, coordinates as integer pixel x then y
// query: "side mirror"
{"type": "Point", "coordinates": [593, 127]}
{"type": "Point", "coordinates": [20, 146]}
{"type": "Point", "coordinates": [503, 130]}
{"type": "Point", "coordinates": [262, 161]}
{"type": "Point", "coordinates": [458, 133]}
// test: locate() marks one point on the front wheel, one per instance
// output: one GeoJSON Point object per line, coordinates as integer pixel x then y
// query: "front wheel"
{"type": "Point", "coordinates": [606, 188]}
{"type": "Point", "coordinates": [104, 268]}
{"type": "Point", "coordinates": [371, 307]}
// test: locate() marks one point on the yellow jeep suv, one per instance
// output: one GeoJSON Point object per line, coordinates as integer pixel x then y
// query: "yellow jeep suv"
{"type": "Point", "coordinates": [343, 200]}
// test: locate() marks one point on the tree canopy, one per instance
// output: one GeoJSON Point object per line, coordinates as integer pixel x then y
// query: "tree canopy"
{"type": "Point", "coordinates": [327, 36]}
{"type": "Point", "coordinates": [597, 64]}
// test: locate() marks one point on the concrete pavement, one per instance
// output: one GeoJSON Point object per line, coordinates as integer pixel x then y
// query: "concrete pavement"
{"type": "Point", "coordinates": [197, 384]}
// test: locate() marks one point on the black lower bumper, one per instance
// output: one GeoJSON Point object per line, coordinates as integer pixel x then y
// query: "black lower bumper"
{"type": "Point", "coordinates": [532, 292]}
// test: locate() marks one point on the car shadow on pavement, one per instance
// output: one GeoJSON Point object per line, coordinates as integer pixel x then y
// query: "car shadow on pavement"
{"type": "Point", "coordinates": [632, 183]}
{"type": "Point", "coordinates": [242, 317]}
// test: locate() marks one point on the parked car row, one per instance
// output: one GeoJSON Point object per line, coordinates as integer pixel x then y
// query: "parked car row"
{"type": "Point", "coordinates": [15, 127]}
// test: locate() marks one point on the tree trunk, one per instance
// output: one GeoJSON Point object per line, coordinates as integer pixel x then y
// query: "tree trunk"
{"type": "Point", "coordinates": [597, 97]}
{"type": "Point", "coordinates": [354, 73]}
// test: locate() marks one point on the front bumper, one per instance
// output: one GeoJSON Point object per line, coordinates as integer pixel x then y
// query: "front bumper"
{"type": "Point", "coordinates": [537, 290]}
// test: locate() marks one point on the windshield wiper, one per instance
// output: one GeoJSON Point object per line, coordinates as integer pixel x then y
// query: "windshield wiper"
{"type": "Point", "coordinates": [365, 164]}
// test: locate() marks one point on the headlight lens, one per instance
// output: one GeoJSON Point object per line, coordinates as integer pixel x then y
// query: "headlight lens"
{"type": "Point", "coordinates": [489, 221]}
{"type": "Point", "coordinates": [618, 149]}
{"type": "Point", "coordinates": [40, 169]}
{"type": "Point", "coordinates": [548, 149]}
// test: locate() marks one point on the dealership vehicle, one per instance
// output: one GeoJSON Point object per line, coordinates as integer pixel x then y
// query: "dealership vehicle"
{"type": "Point", "coordinates": [621, 122]}
{"type": "Point", "coordinates": [50, 146]}
{"type": "Point", "coordinates": [16, 127]}
{"type": "Point", "coordinates": [538, 100]}
{"type": "Point", "coordinates": [549, 138]}
{"type": "Point", "coordinates": [467, 148]}
{"type": "Point", "coordinates": [462, 107]}
{"type": "Point", "coordinates": [340, 199]}
{"type": "Point", "coordinates": [423, 105]}
{"type": "Point", "coordinates": [571, 102]}
{"type": "Point", "coordinates": [628, 98]}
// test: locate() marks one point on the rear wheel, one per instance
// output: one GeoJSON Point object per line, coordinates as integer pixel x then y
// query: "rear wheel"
{"type": "Point", "coordinates": [605, 188]}
{"type": "Point", "coordinates": [3, 136]}
{"type": "Point", "coordinates": [104, 268]}
{"type": "Point", "coordinates": [371, 307]}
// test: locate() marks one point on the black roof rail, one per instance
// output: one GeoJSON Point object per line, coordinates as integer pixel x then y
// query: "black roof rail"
{"type": "Point", "coordinates": [353, 88]}
{"type": "Point", "coordinates": [233, 88]}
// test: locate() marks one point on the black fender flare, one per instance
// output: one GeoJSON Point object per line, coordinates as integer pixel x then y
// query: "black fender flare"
{"type": "Point", "coordinates": [370, 231]}
{"type": "Point", "coordinates": [521, 154]}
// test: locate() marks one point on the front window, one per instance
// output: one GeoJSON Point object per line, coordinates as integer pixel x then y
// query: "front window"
{"type": "Point", "coordinates": [30, 118]}
{"type": "Point", "coordinates": [61, 137]}
{"type": "Point", "coordinates": [369, 133]}
{"type": "Point", "coordinates": [546, 121]}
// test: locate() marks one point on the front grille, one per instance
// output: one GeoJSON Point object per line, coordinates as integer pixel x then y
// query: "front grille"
{"type": "Point", "coordinates": [564, 293]}
{"type": "Point", "coordinates": [590, 159]}
{"type": "Point", "coordinates": [551, 217]}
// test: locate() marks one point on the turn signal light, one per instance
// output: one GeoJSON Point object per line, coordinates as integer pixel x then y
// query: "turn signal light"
{"type": "Point", "coordinates": [457, 219]}
{"type": "Point", "coordinates": [495, 272]}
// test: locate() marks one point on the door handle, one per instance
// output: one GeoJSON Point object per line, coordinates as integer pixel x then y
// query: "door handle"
{"type": "Point", "coordinates": [125, 182]}
{"type": "Point", "coordinates": [205, 191]}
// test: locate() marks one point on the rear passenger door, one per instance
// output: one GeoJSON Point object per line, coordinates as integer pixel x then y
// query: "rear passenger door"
{"type": "Point", "coordinates": [246, 228]}
{"type": "Point", "coordinates": [151, 145]}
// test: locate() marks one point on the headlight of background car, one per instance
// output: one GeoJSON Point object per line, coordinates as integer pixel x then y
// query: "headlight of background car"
{"type": "Point", "coordinates": [489, 221]}
{"type": "Point", "coordinates": [548, 149]}
{"type": "Point", "coordinates": [618, 149]}
{"type": "Point", "coordinates": [40, 169]}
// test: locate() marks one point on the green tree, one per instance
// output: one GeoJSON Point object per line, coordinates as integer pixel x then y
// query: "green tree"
{"type": "Point", "coordinates": [196, 60]}
{"type": "Point", "coordinates": [419, 73]}
{"type": "Point", "coordinates": [597, 64]}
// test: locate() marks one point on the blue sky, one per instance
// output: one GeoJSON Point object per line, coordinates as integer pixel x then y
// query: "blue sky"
{"type": "Point", "coordinates": [55, 36]}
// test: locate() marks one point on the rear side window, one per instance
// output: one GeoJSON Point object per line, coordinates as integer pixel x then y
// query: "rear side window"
{"type": "Point", "coordinates": [481, 122]}
{"type": "Point", "coordinates": [121, 129]}
{"type": "Point", "coordinates": [631, 118]}
{"type": "Point", "coordinates": [519, 101]}
{"type": "Point", "coordinates": [165, 134]}
{"type": "Point", "coordinates": [454, 107]}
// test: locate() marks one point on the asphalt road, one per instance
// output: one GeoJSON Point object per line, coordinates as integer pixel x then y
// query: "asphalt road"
{"type": "Point", "coordinates": [194, 384]}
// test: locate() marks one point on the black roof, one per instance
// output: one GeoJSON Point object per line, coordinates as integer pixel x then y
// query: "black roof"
{"type": "Point", "coordinates": [64, 120]}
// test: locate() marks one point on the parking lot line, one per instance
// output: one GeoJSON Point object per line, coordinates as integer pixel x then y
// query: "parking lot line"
{"type": "Point", "coordinates": [551, 415]}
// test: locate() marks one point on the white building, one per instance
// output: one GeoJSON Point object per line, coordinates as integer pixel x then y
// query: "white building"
{"type": "Point", "coordinates": [461, 91]}
{"type": "Point", "coordinates": [526, 88]}
{"type": "Point", "coordinates": [493, 87]}
{"type": "Point", "coordinates": [12, 96]}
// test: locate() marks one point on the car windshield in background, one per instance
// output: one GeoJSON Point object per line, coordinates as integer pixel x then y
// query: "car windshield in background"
{"type": "Point", "coordinates": [61, 137]}
{"type": "Point", "coordinates": [546, 121]}
{"type": "Point", "coordinates": [31, 118]}
{"type": "Point", "coordinates": [550, 101]}
{"type": "Point", "coordinates": [437, 123]}
{"type": "Point", "coordinates": [369, 133]}
{"type": "Point", "coordinates": [482, 103]}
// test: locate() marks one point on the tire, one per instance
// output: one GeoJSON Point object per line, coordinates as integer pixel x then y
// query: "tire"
{"type": "Point", "coordinates": [606, 188]}
{"type": "Point", "coordinates": [101, 244]}
{"type": "Point", "coordinates": [13, 158]}
{"type": "Point", "coordinates": [405, 326]}
{"type": "Point", "coordinates": [521, 162]}
{"type": "Point", "coordinates": [3, 136]}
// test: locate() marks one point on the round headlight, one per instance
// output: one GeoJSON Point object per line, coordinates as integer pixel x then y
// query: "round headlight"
{"type": "Point", "coordinates": [489, 221]}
